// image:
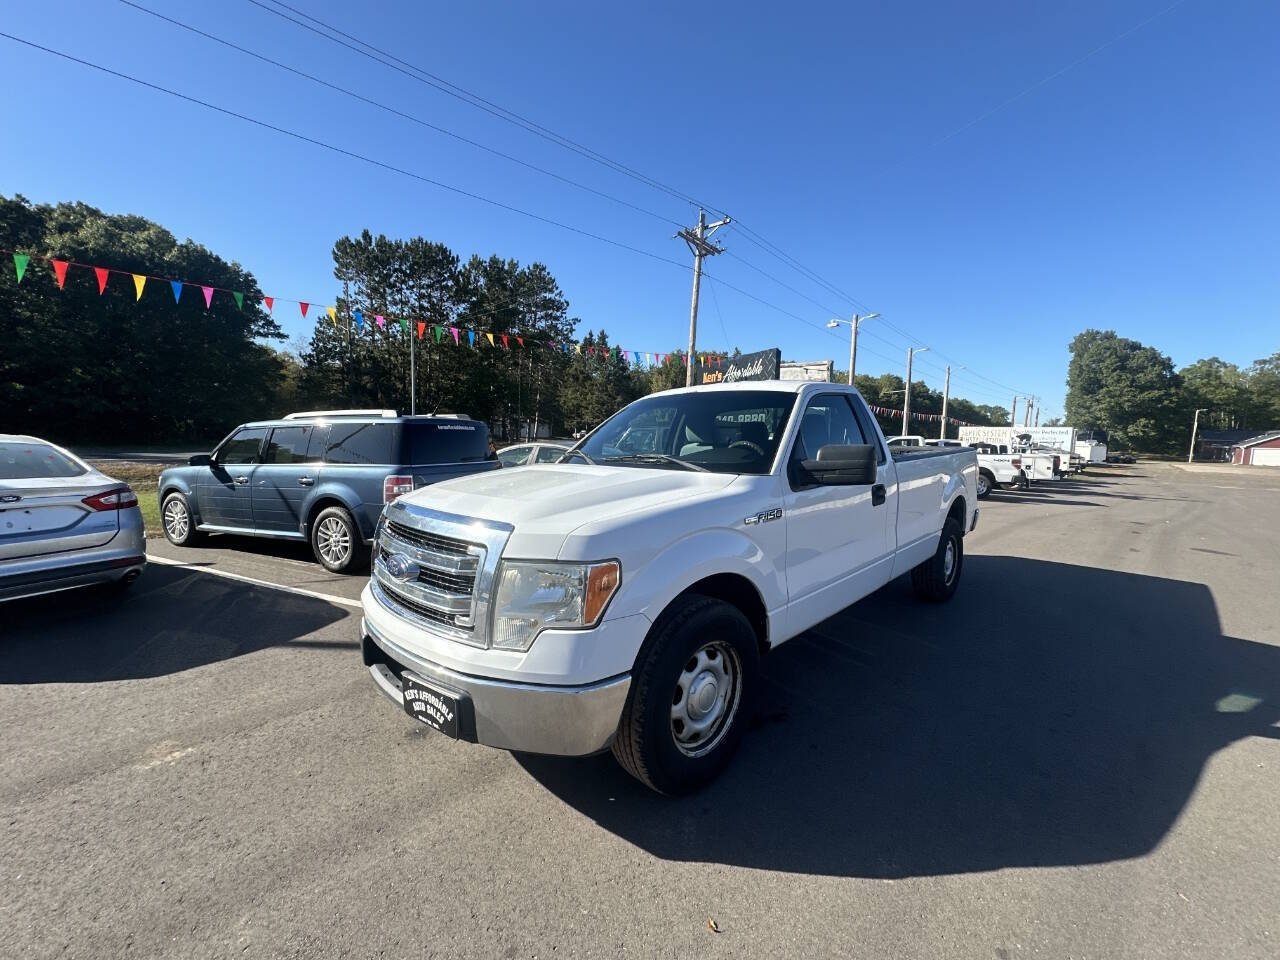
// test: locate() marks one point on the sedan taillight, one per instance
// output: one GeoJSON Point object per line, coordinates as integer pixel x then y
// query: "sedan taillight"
{"type": "Point", "coordinates": [396, 486]}
{"type": "Point", "coordinates": [1017, 463]}
{"type": "Point", "coordinates": [120, 498]}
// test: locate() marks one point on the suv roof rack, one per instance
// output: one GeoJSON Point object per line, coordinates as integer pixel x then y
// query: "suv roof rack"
{"type": "Point", "coordinates": [305, 414]}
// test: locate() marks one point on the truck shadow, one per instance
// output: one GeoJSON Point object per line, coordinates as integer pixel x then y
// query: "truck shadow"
{"type": "Point", "coordinates": [170, 620]}
{"type": "Point", "coordinates": [1050, 715]}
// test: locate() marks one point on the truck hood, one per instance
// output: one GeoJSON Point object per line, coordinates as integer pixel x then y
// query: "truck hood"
{"type": "Point", "coordinates": [546, 503]}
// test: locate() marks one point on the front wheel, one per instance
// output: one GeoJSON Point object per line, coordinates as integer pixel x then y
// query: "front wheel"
{"type": "Point", "coordinates": [690, 696]}
{"type": "Point", "coordinates": [336, 541]}
{"type": "Point", "coordinates": [936, 579]}
{"type": "Point", "coordinates": [175, 517]}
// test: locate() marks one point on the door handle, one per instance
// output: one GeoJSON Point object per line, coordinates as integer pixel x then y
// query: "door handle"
{"type": "Point", "coordinates": [242, 479]}
{"type": "Point", "coordinates": [306, 481]}
{"type": "Point", "coordinates": [878, 494]}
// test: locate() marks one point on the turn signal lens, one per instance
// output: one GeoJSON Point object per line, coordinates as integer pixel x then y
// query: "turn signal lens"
{"type": "Point", "coordinates": [119, 499]}
{"type": "Point", "coordinates": [602, 581]}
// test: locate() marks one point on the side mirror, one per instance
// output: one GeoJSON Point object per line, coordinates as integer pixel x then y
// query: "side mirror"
{"type": "Point", "coordinates": [200, 460]}
{"type": "Point", "coordinates": [843, 465]}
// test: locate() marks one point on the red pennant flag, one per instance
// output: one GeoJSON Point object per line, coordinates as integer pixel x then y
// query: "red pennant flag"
{"type": "Point", "coordinates": [304, 308]}
{"type": "Point", "coordinates": [60, 268]}
{"type": "Point", "coordinates": [421, 327]}
{"type": "Point", "coordinates": [520, 340]}
{"type": "Point", "coordinates": [208, 296]}
{"type": "Point", "coordinates": [504, 342]}
{"type": "Point", "coordinates": [102, 273]}
{"type": "Point", "coordinates": [270, 302]}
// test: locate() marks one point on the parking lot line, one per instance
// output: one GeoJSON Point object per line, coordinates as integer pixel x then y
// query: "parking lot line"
{"type": "Point", "coordinates": [196, 568]}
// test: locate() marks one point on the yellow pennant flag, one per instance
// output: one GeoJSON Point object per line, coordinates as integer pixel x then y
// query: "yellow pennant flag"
{"type": "Point", "coordinates": [648, 358]}
{"type": "Point", "coordinates": [577, 348]}
{"type": "Point", "coordinates": [139, 281]}
{"type": "Point", "coordinates": [333, 315]}
{"type": "Point", "coordinates": [490, 336]}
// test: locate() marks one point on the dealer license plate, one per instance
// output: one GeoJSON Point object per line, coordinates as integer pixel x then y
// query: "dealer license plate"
{"type": "Point", "coordinates": [437, 708]}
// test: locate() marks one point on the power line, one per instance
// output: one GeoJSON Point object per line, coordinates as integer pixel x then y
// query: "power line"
{"type": "Point", "coordinates": [399, 113]}
{"type": "Point", "coordinates": [422, 75]}
{"type": "Point", "coordinates": [348, 153]}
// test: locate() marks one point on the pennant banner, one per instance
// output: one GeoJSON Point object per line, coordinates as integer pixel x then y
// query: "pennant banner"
{"type": "Point", "coordinates": [103, 273]}
{"type": "Point", "coordinates": [60, 271]}
{"type": "Point", "coordinates": [176, 285]}
{"type": "Point", "coordinates": [20, 261]}
{"type": "Point", "coordinates": [139, 281]}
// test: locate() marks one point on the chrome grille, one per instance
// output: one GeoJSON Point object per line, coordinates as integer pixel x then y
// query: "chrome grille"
{"type": "Point", "coordinates": [455, 560]}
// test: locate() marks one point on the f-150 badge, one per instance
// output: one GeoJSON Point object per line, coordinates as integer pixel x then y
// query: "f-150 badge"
{"type": "Point", "coordinates": [764, 517]}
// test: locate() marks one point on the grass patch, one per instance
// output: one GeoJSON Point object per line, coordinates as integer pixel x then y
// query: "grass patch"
{"type": "Point", "coordinates": [142, 478]}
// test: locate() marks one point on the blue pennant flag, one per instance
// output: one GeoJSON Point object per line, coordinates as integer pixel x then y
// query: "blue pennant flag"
{"type": "Point", "coordinates": [177, 289]}
{"type": "Point", "coordinates": [359, 319]}
{"type": "Point", "coordinates": [471, 335]}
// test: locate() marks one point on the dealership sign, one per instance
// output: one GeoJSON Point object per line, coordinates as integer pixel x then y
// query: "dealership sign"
{"type": "Point", "coordinates": [746, 366]}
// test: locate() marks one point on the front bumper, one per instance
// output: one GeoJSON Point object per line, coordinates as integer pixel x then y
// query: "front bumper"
{"type": "Point", "coordinates": [526, 717]}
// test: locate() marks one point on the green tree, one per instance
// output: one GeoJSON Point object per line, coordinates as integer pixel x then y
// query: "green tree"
{"type": "Point", "coordinates": [113, 367]}
{"type": "Point", "coordinates": [1128, 389]}
{"type": "Point", "coordinates": [598, 383]}
{"type": "Point", "coordinates": [1264, 392]}
{"type": "Point", "coordinates": [1221, 389]}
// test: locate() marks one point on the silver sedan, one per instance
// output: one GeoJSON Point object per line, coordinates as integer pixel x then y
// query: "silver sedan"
{"type": "Point", "coordinates": [63, 524]}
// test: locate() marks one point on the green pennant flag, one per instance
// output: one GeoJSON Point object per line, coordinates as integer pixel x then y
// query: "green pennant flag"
{"type": "Point", "coordinates": [239, 300]}
{"type": "Point", "coordinates": [404, 324]}
{"type": "Point", "coordinates": [20, 261]}
{"type": "Point", "coordinates": [439, 333]}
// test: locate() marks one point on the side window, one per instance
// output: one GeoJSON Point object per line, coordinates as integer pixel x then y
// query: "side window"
{"type": "Point", "coordinates": [868, 428]}
{"type": "Point", "coordinates": [514, 457]}
{"type": "Point", "coordinates": [549, 454]}
{"type": "Point", "coordinates": [288, 445]}
{"type": "Point", "coordinates": [827, 419]}
{"type": "Point", "coordinates": [359, 443]}
{"type": "Point", "coordinates": [243, 447]}
{"type": "Point", "coordinates": [319, 440]}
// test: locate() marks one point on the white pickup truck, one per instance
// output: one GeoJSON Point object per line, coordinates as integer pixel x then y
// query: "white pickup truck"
{"type": "Point", "coordinates": [624, 598]}
{"type": "Point", "coordinates": [998, 469]}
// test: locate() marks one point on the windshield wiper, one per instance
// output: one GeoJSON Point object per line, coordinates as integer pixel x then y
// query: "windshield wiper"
{"type": "Point", "coordinates": [655, 458]}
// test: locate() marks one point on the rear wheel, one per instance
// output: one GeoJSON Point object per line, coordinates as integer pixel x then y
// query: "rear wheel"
{"type": "Point", "coordinates": [178, 523]}
{"type": "Point", "coordinates": [936, 579]}
{"type": "Point", "coordinates": [985, 484]}
{"type": "Point", "coordinates": [690, 696]}
{"type": "Point", "coordinates": [336, 541]}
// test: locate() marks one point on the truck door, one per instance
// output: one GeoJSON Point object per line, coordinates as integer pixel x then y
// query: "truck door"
{"type": "Point", "coordinates": [839, 538]}
{"type": "Point", "coordinates": [283, 480]}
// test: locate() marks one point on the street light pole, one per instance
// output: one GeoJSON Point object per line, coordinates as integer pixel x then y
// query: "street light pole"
{"type": "Point", "coordinates": [853, 338]}
{"type": "Point", "coordinates": [1195, 424]}
{"type": "Point", "coordinates": [946, 393]}
{"type": "Point", "coordinates": [906, 397]}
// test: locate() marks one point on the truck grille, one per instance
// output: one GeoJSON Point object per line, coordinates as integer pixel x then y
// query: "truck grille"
{"type": "Point", "coordinates": [442, 580]}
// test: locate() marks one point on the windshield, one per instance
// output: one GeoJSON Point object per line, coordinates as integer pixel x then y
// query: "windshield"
{"type": "Point", "coordinates": [729, 431]}
{"type": "Point", "coordinates": [36, 461]}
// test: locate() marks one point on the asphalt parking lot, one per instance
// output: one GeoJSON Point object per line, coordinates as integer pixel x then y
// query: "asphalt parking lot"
{"type": "Point", "coordinates": [1077, 757]}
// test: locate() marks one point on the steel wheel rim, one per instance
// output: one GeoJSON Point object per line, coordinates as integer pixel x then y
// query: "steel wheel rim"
{"type": "Point", "coordinates": [949, 560]}
{"type": "Point", "coordinates": [333, 540]}
{"type": "Point", "coordinates": [706, 697]}
{"type": "Point", "coordinates": [983, 484]}
{"type": "Point", "coordinates": [176, 521]}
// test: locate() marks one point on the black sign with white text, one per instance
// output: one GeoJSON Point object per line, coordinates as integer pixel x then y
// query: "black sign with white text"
{"type": "Point", "coordinates": [762, 365]}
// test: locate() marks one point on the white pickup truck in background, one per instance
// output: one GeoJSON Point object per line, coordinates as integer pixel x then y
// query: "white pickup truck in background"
{"type": "Point", "coordinates": [998, 469]}
{"type": "Point", "coordinates": [625, 599]}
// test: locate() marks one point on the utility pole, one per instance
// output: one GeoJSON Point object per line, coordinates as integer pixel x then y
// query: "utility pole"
{"type": "Point", "coordinates": [853, 339]}
{"type": "Point", "coordinates": [946, 393]}
{"type": "Point", "coordinates": [1013, 413]}
{"type": "Point", "coordinates": [1037, 414]}
{"type": "Point", "coordinates": [700, 247]}
{"type": "Point", "coordinates": [906, 396]}
{"type": "Point", "coordinates": [1195, 425]}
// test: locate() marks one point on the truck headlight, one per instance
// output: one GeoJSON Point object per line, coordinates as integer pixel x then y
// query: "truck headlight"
{"type": "Point", "coordinates": [535, 595]}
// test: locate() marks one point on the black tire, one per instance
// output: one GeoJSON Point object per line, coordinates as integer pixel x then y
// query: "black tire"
{"type": "Point", "coordinates": [178, 522]}
{"type": "Point", "coordinates": [336, 541]}
{"type": "Point", "coordinates": [647, 744]}
{"type": "Point", "coordinates": [933, 580]}
{"type": "Point", "coordinates": [986, 483]}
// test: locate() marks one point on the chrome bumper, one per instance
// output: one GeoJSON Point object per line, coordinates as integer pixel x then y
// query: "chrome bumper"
{"type": "Point", "coordinates": [526, 717]}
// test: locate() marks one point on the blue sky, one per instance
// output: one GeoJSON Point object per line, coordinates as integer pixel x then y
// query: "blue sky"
{"type": "Point", "coordinates": [924, 159]}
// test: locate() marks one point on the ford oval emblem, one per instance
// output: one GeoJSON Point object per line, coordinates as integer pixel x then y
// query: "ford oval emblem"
{"type": "Point", "coordinates": [10, 498]}
{"type": "Point", "coordinates": [400, 567]}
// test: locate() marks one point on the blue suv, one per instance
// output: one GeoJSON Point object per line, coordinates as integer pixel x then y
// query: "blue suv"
{"type": "Point", "coordinates": [322, 476]}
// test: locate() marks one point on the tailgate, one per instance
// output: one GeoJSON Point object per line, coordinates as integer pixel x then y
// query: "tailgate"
{"type": "Point", "coordinates": [44, 516]}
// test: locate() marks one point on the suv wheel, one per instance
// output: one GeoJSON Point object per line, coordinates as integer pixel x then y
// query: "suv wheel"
{"type": "Point", "coordinates": [336, 541]}
{"type": "Point", "coordinates": [176, 520]}
{"type": "Point", "coordinates": [690, 696]}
